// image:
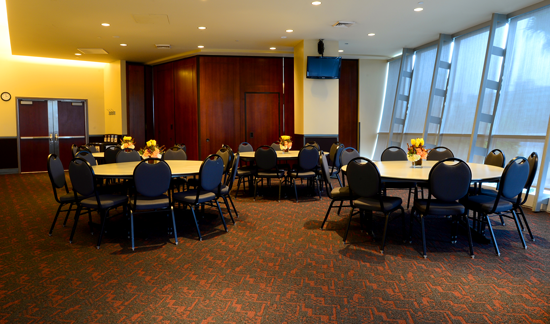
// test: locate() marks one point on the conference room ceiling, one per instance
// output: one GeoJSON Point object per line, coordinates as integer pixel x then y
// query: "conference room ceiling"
{"type": "Point", "coordinates": [59, 28]}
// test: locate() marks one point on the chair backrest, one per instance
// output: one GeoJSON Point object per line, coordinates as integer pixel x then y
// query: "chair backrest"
{"type": "Point", "coordinates": [110, 154]}
{"type": "Point", "coordinates": [91, 148]}
{"type": "Point", "coordinates": [152, 179]}
{"type": "Point", "coordinates": [332, 153]}
{"type": "Point", "coordinates": [495, 158]}
{"type": "Point", "coordinates": [313, 143]}
{"type": "Point", "coordinates": [127, 155]}
{"type": "Point", "coordinates": [56, 172]}
{"type": "Point", "coordinates": [449, 179]}
{"type": "Point", "coordinates": [348, 154]}
{"type": "Point", "coordinates": [174, 153]}
{"type": "Point", "coordinates": [227, 156]}
{"type": "Point", "coordinates": [393, 153]}
{"type": "Point", "coordinates": [245, 147]}
{"type": "Point", "coordinates": [439, 153]}
{"type": "Point", "coordinates": [233, 173]}
{"type": "Point", "coordinates": [82, 177]}
{"type": "Point", "coordinates": [181, 146]}
{"type": "Point", "coordinates": [363, 177]}
{"type": "Point", "coordinates": [210, 173]}
{"type": "Point", "coordinates": [276, 146]}
{"type": "Point", "coordinates": [533, 160]}
{"type": "Point", "coordinates": [266, 158]}
{"type": "Point", "coordinates": [86, 155]}
{"type": "Point", "coordinates": [514, 177]}
{"type": "Point", "coordinates": [308, 158]}
{"type": "Point", "coordinates": [74, 149]}
{"type": "Point", "coordinates": [337, 163]}
{"type": "Point", "coordinates": [323, 163]}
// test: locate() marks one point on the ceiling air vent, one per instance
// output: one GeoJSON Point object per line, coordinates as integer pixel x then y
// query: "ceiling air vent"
{"type": "Point", "coordinates": [163, 46]}
{"type": "Point", "coordinates": [92, 51]}
{"type": "Point", "coordinates": [344, 24]}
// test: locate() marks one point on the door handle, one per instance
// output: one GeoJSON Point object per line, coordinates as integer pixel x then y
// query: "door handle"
{"type": "Point", "coordinates": [56, 137]}
{"type": "Point", "coordinates": [251, 135]}
{"type": "Point", "coordinates": [51, 137]}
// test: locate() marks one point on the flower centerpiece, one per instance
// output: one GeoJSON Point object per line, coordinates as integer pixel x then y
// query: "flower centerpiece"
{"type": "Point", "coordinates": [416, 151]}
{"type": "Point", "coordinates": [151, 150]}
{"type": "Point", "coordinates": [127, 142]}
{"type": "Point", "coordinates": [285, 142]}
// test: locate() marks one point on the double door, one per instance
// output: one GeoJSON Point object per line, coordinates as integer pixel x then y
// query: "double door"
{"type": "Point", "coordinates": [49, 126]}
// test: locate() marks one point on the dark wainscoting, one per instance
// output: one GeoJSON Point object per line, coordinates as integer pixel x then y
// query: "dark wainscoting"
{"type": "Point", "coordinates": [8, 163]}
{"type": "Point", "coordinates": [324, 141]}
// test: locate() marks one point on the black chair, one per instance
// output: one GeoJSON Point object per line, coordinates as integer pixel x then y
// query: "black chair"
{"type": "Point", "coordinates": [306, 168]}
{"type": "Point", "coordinates": [181, 146]}
{"type": "Point", "coordinates": [74, 149]}
{"type": "Point", "coordinates": [512, 183]}
{"type": "Point", "coordinates": [339, 194]}
{"type": "Point", "coordinates": [395, 153]}
{"type": "Point", "coordinates": [365, 183]}
{"type": "Point", "coordinates": [348, 154]}
{"type": "Point", "coordinates": [266, 167]}
{"type": "Point", "coordinates": [226, 153]}
{"type": "Point", "coordinates": [151, 181]}
{"type": "Point", "coordinates": [110, 154]}
{"type": "Point", "coordinates": [127, 155]}
{"type": "Point", "coordinates": [494, 158]}
{"type": "Point", "coordinates": [210, 179]}
{"type": "Point", "coordinates": [228, 185]}
{"type": "Point", "coordinates": [313, 143]}
{"type": "Point", "coordinates": [91, 148]}
{"type": "Point", "coordinates": [84, 185]}
{"type": "Point", "coordinates": [448, 182]}
{"type": "Point", "coordinates": [276, 146]}
{"type": "Point", "coordinates": [439, 153]}
{"type": "Point", "coordinates": [86, 155]}
{"type": "Point", "coordinates": [57, 178]}
{"type": "Point", "coordinates": [334, 155]}
{"type": "Point", "coordinates": [174, 153]}
{"type": "Point", "coordinates": [245, 147]}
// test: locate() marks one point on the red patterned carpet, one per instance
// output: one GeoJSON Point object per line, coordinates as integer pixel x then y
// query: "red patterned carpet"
{"type": "Point", "coordinates": [274, 266]}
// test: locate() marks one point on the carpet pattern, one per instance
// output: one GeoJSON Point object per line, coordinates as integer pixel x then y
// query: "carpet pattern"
{"type": "Point", "coordinates": [274, 266]}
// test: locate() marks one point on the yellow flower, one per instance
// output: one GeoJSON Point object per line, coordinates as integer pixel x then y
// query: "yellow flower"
{"type": "Point", "coordinates": [285, 137]}
{"type": "Point", "coordinates": [127, 138]}
{"type": "Point", "coordinates": [152, 143]}
{"type": "Point", "coordinates": [413, 142]}
{"type": "Point", "coordinates": [422, 141]}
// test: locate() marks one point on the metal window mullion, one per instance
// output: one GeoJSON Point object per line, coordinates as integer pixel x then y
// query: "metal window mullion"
{"type": "Point", "coordinates": [407, 53]}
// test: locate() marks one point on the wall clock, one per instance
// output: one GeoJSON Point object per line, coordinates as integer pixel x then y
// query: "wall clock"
{"type": "Point", "coordinates": [6, 96]}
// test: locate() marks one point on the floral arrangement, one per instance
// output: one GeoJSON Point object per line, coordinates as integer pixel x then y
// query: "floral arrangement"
{"type": "Point", "coordinates": [151, 150]}
{"type": "Point", "coordinates": [285, 141]}
{"type": "Point", "coordinates": [416, 150]}
{"type": "Point", "coordinates": [127, 142]}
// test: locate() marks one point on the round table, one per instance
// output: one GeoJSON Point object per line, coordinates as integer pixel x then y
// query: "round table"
{"type": "Point", "coordinates": [125, 170]}
{"type": "Point", "coordinates": [403, 170]}
{"type": "Point", "coordinates": [98, 155]}
{"type": "Point", "coordinates": [290, 155]}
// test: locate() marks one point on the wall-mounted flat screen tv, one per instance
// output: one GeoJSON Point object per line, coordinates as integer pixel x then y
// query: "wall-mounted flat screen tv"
{"type": "Point", "coordinates": [323, 67]}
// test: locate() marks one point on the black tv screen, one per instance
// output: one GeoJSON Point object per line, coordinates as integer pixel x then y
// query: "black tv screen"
{"type": "Point", "coordinates": [323, 67]}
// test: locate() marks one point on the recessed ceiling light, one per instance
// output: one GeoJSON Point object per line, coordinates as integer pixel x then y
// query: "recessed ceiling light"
{"type": "Point", "coordinates": [371, 34]}
{"type": "Point", "coordinates": [418, 9]}
{"type": "Point", "coordinates": [123, 44]}
{"type": "Point", "coordinates": [200, 46]}
{"type": "Point", "coordinates": [272, 48]}
{"type": "Point", "coordinates": [340, 51]}
{"type": "Point", "coordinates": [105, 25]}
{"type": "Point", "coordinates": [316, 3]}
{"type": "Point", "coordinates": [202, 28]}
{"type": "Point", "coordinates": [78, 54]}
{"type": "Point", "coordinates": [289, 30]}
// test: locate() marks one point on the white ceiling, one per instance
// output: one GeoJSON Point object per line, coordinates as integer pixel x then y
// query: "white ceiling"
{"type": "Point", "coordinates": [57, 28]}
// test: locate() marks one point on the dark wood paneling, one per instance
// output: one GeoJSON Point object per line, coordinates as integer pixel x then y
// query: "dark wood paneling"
{"type": "Point", "coordinates": [9, 161]}
{"type": "Point", "coordinates": [72, 122]}
{"type": "Point", "coordinates": [220, 111]}
{"type": "Point", "coordinates": [164, 104]}
{"type": "Point", "coordinates": [135, 88]}
{"type": "Point", "coordinates": [262, 118]}
{"type": "Point", "coordinates": [348, 108]}
{"type": "Point", "coordinates": [186, 106]}
{"type": "Point", "coordinates": [288, 118]}
{"type": "Point", "coordinates": [149, 111]}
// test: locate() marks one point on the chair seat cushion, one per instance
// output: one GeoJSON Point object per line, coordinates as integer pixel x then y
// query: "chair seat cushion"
{"type": "Point", "coordinates": [143, 202]}
{"type": "Point", "coordinates": [189, 196]}
{"type": "Point", "coordinates": [270, 174]}
{"type": "Point", "coordinates": [245, 173]}
{"type": "Point", "coordinates": [389, 203]}
{"type": "Point", "coordinates": [224, 191]}
{"type": "Point", "coordinates": [438, 207]}
{"type": "Point", "coordinates": [484, 204]}
{"type": "Point", "coordinates": [107, 201]}
{"type": "Point", "coordinates": [305, 174]}
{"type": "Point", "coordinates": [69, 197]}
{"type": "Point", "coordinates": [340, 193]}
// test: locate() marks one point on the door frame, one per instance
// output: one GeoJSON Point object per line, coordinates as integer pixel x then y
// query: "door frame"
{"type": "Point", "coordinates": [52, 102]}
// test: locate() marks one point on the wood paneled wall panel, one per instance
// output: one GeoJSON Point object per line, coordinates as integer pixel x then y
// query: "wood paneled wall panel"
{"type": "Point", "coordinates": [164, 104]}
{"type": "Point", "coordinates": [135, 88]}
{"type": "Point", "coordinates": [288, 115]}
{"type": "Point", "coordinates": [186, 106]}
{"type": "Point", "coordinates": [149, 111]}
{"type": "Point", "coordinates": [220, 111]}
{"type": "Point", "coordinates": [348, 108]}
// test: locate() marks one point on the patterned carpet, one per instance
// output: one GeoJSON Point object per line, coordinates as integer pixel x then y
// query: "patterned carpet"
{"type": "Point", "coordinates": [274, 266]}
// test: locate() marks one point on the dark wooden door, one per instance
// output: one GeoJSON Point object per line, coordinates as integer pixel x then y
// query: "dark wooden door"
{"type": "Point", "coordinates": [348, 115]}
{"type": "Point", "coordinates": [262, 118]}
{"type": "Point", "coordinates": [164, 105]}
{"type": "Point", "coordinates": [35, 136]}
{"type": "Point", "coordinates": [71, 129]}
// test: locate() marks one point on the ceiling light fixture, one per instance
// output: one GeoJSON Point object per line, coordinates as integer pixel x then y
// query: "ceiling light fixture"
{"type": "Point", "coordinates": [200, 46]}
{"type": "Point", "coordinates": [272, 48]}
{"type": "Point", "coordinates": [123, 44]}
{"type": "Point", "coordinates": [371, 34]}
{"type": "Point", "coordinates": [289, 30]}
{"type": "Point", "coordinates": [78, 54]}
{"type": "Point", "coordinates": [202, 28]}
{"type": "Point", "coordinates": [340, 51]}
{"type": "Point", "coordinates": [418, 9]}
{"type": "Point", "coordinates": [316, 3]}
{"type": "Point", "coordinates": [105, 25]}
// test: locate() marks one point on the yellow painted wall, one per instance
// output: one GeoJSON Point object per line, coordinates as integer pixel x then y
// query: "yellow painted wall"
{"type": "Point", "coordinates": [115, 98]}
{"type": "Point", "coordinates": [299, 76]}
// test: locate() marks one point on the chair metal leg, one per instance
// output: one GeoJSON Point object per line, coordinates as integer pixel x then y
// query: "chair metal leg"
{"type": "Point", "coordinates": [228, 209]}
{"type": "Point", "coordinates": [55, 218]}
{"type": "Point", "coordinates": [385, 231]}
{"type": "Point", "coordinates": [423, 236]}
{"type": "Point", "coordinates": [76, 216]}
{"type": "Point", "coordinates": [492, 234]}
{"type": "Point", "coordinates": [338, 177]}
{"type": "Point", "coordinates": [519, 229]}
{"type": "Point", "coordinates": [68, 212]}
{"type": "Point", "coordinates": [470, 242]}
{"type": "Point", "coordinates": [526, 223]}
{"type": "Point", "coordinates": [221, 215]}
{"type": "Point", "coordinates": [295, 190]}
{"type": "Point", "coordinates": [280, 182]}
{"type": "Point", "coordinates": [174, 224]}
{"type": "Point", "coordinates": [328, 212]}
{"type": "Point", "coordinates": [196, 222]}
{"type": "Point", "coordinates": [232, 204]}
{"type": "Point", "coordinates": [131, 228]}
{"type": "Point", "coordinates": [104, 217]}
